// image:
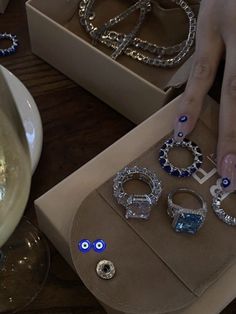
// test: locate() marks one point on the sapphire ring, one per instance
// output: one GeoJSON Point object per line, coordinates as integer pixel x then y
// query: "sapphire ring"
{"type": "Point", "coordinates": [219, 211]}
{"type": "Point", "coordinates": [137, 206]}
{"type": "Point", "coordinates": [12, 48]}
{"type": "Point", "coordinates": [186, 220]}
{"type": "Point", "coordinates": [173, 170]}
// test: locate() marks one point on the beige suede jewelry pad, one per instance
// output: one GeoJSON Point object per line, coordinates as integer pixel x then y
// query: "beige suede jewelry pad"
{"type": "Point", "coordinates": [158, 270]}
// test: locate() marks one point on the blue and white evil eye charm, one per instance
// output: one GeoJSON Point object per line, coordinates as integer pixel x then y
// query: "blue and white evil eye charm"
{"type": "Point", "coordinates": [84, 246]}
{"type": "Point", "coordinates": [225, 182]}
{"type": "Point", "coordinates": [99, 246]}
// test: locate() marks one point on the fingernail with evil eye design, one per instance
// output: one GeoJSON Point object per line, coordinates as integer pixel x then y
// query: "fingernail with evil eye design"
{"type": "Point", "coordinates": [228, 172]}
{"type": "Point", "coordinates": [180, 128]}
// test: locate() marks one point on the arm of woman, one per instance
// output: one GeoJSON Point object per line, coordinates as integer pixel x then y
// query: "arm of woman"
{"type": "Point", "coordinates": [216, 35]}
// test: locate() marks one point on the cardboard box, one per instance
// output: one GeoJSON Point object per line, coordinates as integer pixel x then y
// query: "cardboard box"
{"type": "Point", "coordinates": [3, 5]}
{"type": "Point", "coordinates": [57, 209]}
{"type": "Point", "coordinates": [135, 90]}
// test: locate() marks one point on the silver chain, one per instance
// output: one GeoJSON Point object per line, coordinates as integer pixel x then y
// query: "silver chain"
{"type": "Point", "coordinates": [126, 43]}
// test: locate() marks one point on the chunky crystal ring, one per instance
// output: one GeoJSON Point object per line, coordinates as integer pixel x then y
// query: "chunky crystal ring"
{"type": "Point", "coordinates": [12, 48]}
{"type": "Point", "coordinates": [137, 206]}
{"type": "Point", "coordinates": [175, 171]}
{"type": "Point", "coordinates": [216, 205]}
{"type": "Point", "coordinates": [186, 220]}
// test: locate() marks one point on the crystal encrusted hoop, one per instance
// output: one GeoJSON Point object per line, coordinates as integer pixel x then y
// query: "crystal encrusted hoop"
{"type": "Point", "coordinates": [173, 170]}
{"type": "Point", "coordinates": [219, 211]}
{"type": "Point", "coordinates": [12, 48]}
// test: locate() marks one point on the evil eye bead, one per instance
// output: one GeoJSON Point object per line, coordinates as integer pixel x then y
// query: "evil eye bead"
{"type": "Point", "coordinates": [225, 182]}
{"type": "Point", "coordinates": [99, 246]}
{"type": "Point", "coordinates": [84, 246]}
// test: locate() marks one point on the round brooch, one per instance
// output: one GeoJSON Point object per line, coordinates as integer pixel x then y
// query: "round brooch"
{"type": "Point", "coordinates": [173, 170]}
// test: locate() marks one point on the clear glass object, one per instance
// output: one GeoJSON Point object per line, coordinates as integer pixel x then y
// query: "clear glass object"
{"type": "Point", "coordinates": [24, 254]}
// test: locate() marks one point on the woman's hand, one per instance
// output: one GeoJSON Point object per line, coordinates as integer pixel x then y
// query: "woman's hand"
{"type": "Point", "coordinates": [216, 34]}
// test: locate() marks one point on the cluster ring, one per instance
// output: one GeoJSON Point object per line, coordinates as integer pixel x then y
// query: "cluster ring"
{"type": "Point", "coordinates": [137, 206]}
{"type": "Point", "coordinates": [173, 170]}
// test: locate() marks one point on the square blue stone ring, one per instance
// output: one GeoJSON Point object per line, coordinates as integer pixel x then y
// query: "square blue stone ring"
{"type": "Point", "coordinates": [186, 220]}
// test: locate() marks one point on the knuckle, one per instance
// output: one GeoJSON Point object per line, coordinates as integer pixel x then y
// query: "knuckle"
{"type": "Point", "coordinates": [231, 86]}
{"type": "Point", "coordinates": [202, 69]}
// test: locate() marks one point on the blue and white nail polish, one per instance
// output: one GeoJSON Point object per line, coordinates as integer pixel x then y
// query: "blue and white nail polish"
{"type": "Point", "coordinates": [225, 182]}
{"type": "Point", "coordinates": [181, 127]}
{"type": "Point", "coordinates": [228, 172]}
{"type": "Point", "coordinates": [183, 119]}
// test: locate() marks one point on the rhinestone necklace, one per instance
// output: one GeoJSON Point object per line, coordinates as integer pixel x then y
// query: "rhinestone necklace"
{"type": "Point", "coordinates": [126, 43]}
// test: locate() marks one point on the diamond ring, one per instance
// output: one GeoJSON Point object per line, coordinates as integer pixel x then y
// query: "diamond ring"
{"type": "Point", "coordinates": [175, 171]}
{"type": "Point", "coordinates": [137, 206]}
{"type": "Point", "coordinates": [219, 211]}
{"type": "Point", "coordinates": [186, 220]}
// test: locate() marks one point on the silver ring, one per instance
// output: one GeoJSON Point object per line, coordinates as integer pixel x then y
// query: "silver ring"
{"type": "Point", "coordinates": [184, 219]}
{"type": "Point", "coordinates": [137, 206]}
{"type": "Point", "coordinates": [219, 211]}
{"type": "Point", "coordinates": [175, 171]}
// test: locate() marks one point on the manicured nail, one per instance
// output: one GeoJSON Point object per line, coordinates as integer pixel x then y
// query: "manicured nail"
{"type": "Point", "coordinates": [228, 172]}
{"type": "Point", "coordinates": [181, 125]}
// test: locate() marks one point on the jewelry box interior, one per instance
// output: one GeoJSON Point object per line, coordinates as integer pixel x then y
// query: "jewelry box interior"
{"type": "Point", "coordinates": [93, 213]}
{"type": "Point", "coordinates": [164, 25]}
{"type": "Point", "coordinates": [134, 89]}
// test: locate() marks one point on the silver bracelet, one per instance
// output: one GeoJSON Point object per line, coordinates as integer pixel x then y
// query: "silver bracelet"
{"type": "Point", "coordinates": [137, 206]}
{"type": "Point", "coordinates": [163, 56]}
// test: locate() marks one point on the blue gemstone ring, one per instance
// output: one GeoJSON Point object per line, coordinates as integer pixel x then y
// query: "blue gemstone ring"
{"type": "Point", "coordinates": [175, 171]}
{"type": "Point", "coordinates": [12, 48]}
{"type": "Point", "coordinates": [186, 220]}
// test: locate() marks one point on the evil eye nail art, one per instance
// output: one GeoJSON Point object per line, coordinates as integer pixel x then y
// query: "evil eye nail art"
{"type": "Point", "coordinates": [84, 246]}
{"type": "Point", "coordinates": [183, 119]}
{"type": "Point", "coordinates": [225, 182]}
{"type": "Point", "coordinates": [99, 246]}
{"type": "Point", "coordinates": [180, 134]}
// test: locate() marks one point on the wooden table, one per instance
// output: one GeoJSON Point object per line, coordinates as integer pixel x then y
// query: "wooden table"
{"type": "Point", "coordinates": [77, 126]}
